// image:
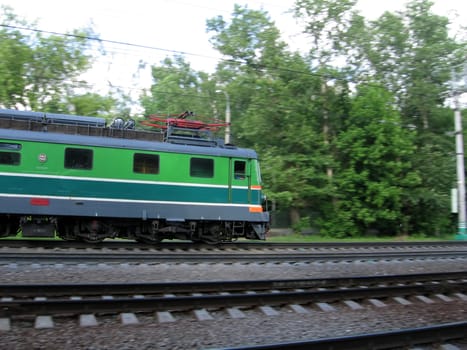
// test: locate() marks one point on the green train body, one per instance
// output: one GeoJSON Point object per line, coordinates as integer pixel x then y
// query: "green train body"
{"type": "Point", "coordinates": [77, 179]}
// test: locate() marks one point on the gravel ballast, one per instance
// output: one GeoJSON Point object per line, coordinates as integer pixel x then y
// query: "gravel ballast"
{"type": "Point", "coordinates": [256, 328]}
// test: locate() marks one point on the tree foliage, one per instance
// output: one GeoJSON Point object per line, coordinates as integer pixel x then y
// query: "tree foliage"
{"type": "Point", "coordinates": [326, 22]}
{"type": "Point", "coordinates": [272, 89]}
{"type": "Point", "coordinates": [39, 70]}
{"type": "Point", "coordinates": [177, 88]}
{"type": "Point", "coordinates": [375, 171]}
{"type": "Point", "coordinates": [411, 55]}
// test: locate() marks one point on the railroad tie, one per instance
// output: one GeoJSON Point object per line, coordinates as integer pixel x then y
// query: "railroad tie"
{"type": "Point", "coordinates": [444, 298]}
{"type": "Point", "coordinates": [325, 307]}
{"type": "Point", "coordinates": [268, 310]}
{"type": "Point", "coordinates": [299, 309]}
{"type": "Point", "coordinates": [128, 318]}
{"type": "Point", "coordinates": [85, 320]}
{"type": "Point", "coordinates": [425, 299]}
{"type": "Point", "coordinates": [449, 347]}
{"type": "Point", "coordinates": [43, 321]}
{"type": "Point", "coordinates": [377, 302]}
{"type": "Point", "coordinates": [201, 314]}
{"type": "Point", "coordinates": [5, 324]}
{"type": "Point", "coordinates": [461, 296]}
{"type": "Point", "coordinates": [234, 312]}
{"type": "Point", "coordinates": [402, 301]}
{"type": "Point", "coordinates": [164, 317]}
{"type": "Point", "coordinates": [353, 305]}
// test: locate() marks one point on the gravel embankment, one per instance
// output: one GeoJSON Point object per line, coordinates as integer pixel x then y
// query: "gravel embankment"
{"type": "Point", "coordinates": [256, 328]}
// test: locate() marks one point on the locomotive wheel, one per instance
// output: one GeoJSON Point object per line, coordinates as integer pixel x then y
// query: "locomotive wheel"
{"type": "Point", "coordinates": [92, 238]}
{"type": "Point", "coordinates": [9, 227]}
{"type": "Point", "coordinates": [212, 235]}
{"type": "Point", "coordinates": [92, 231]}
{"type": "Point", "coordinates": [65, 231]}
{"type": "Point", "coordinates": [148, 240]}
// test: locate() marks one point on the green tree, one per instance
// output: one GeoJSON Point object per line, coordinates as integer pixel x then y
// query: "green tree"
{"type": "Point", "coordinates": [92, 104]}
{"type": "Point", "coordinates": [15, 56]}
{"type": "Point", "coordinates": [253, 53]}
{"type": "Point", "coordinates": [277, 107]}
{"type": "Point", "coordinates": [38, 71]}
{"type": "Point", "coordinates": [375, 170]}
{"type": "Point", "coordinates": [411, 54]}
{"type": "Point", "coordinates": [177, 88]}
{"type": "Point", "coordinates": [250, 41]}
{"type": "Point", "coordinates": [326, 22]}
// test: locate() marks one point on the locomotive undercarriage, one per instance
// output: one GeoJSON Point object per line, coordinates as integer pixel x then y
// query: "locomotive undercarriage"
{"type": "Point", "coordinates": [94, 230]}
{"type": "Point", "coordinates": [9, 225]}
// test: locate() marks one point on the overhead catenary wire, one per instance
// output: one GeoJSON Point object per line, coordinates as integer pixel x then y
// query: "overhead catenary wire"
{"type": "Point", "coordinates": [117, 45]}
{"type": "Point", "coordinates": [174, 52]}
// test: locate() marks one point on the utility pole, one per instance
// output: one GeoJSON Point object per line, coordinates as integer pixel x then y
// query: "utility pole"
{"type": "Point", "coordinates": [461, 232]}
{"type": "Point", "coordinates": [462, 221]}
{"type": "Point", "coordinates": [227, 117]}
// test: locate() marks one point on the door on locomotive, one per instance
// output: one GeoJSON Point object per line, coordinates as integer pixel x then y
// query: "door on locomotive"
{"type": "Point", "coordinates": [239, 180]}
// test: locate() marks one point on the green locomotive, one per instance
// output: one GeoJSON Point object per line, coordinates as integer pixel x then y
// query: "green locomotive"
{"type": "Point", "coordinates": [75, 178]}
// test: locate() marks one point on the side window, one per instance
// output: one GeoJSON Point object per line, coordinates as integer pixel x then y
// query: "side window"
{"type": "Point", "coordinates": [239, 170]}
{"type": "Point", "coordinates": [202, 167]}
{"type": "Point", "coordinates": [78, 158]}
{"type": "Point", "coordinates": [146, 163]}
{"type": "Point", "coordinates": [8, 156]}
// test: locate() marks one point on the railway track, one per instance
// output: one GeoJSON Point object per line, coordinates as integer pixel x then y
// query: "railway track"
{"type": "Point", "coordinates": [176, 304]}
{"type": "Point", "coordinates": [172, 301]}
{"type": "Point", "coordinates": [86, 289]}
{"type": "Point", "coordinates": [47, 304]}
{"type": "Point", "coordinates": [225, 258]}
{"type": "Point", "coordinates": [240, 245]}
{"type": "Point", "coordinates": [75, 299]}
{"type": "Point", "coordinates": [401, 339]}
{"type": "Point", "coordinates": [56, 252]}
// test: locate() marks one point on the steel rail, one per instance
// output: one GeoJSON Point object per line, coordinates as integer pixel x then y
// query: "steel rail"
{"type": "Point", "coordinates": [224, 257]}
{"type": "Point", "coordinates": [177, 245]}
{"type": "Point", "coordinates": [183, 303]}
{"type": "Point", "coordinates": [403, 339]}
{"type": "Point", "coordinates": [87, 289]}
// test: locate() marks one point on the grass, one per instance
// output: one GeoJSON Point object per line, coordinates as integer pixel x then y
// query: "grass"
{"type": "Point", "coordinates": [297, 238]}
{"type": "Point", "coordinates": [282, 237]}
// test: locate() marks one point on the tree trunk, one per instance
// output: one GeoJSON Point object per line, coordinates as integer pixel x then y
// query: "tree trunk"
{"type": "Point", "coordinates": [294, 216]}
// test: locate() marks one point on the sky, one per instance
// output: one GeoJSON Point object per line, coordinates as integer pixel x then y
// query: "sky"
{"type": "Point", "coordinates": [170, 26]}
